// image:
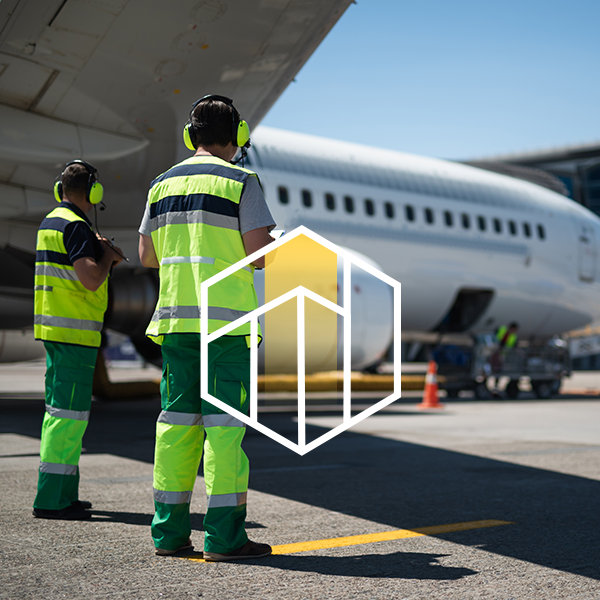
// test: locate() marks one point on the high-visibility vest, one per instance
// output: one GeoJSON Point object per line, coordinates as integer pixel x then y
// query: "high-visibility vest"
{"type": "Point", "coordinates": [511, 342]}
{"type": "Point", "coordinates": [195, 229]}
{"type": "Point", "coordinates": [65, 311]}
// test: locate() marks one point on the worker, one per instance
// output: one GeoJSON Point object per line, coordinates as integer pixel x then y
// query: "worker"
{"type": "Point", "coordinates": [203, 215]}
{"type": "Point", "coordinates": [507, 337]}
{"type": "Point", "coordinates": [70, 298]}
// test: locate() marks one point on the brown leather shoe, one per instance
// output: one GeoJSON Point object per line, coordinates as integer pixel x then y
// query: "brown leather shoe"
{"type": "Point", "coordinates": [248, 550]}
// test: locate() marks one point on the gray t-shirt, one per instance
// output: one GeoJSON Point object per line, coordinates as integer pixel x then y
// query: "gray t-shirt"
{"type": "Point", "coordinates": [254, 212]}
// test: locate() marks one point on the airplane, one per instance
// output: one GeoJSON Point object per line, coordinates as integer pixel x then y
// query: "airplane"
{"type": "Point", "coordinates": [473, 249]}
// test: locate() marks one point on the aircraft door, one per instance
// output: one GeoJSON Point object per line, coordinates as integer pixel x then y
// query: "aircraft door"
{"type": "Point", "coordinates": [586, 259]}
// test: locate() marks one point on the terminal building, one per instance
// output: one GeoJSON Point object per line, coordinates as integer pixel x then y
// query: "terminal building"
{"type": "Point", "coordinates": [573, 171]}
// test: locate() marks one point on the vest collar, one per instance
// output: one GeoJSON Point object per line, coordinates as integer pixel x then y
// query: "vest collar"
{"type": "Point", "coordinates": [73, 208]}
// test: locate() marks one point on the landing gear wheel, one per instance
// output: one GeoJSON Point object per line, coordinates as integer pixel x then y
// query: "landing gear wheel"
{"type": "Point", "coordinates": [543, 389]}
{"type": "Point", "coordinates": [512, 389]}
{"type": "Point", "coordinates": [482, 392]}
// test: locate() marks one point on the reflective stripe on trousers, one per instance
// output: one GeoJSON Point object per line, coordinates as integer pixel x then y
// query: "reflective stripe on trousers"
{"type": "Point", "coordinates": [172, 497]}
{"type": "Point", "coordinates": [179, 418]}
{"type": "Point", "coordinates": [224, 420]}
{"type": "Point", "coordinates": [58, 469]}
{"type": "Point", "coordinates": [227, 500]}
{"type": "Point", "coordinates": [63, 413]}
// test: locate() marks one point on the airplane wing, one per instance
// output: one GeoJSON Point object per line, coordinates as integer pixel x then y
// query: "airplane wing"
{"type": "Point", "coordinates": [97, 62]}
{"type": "Point", "coordinates": [112, 81]}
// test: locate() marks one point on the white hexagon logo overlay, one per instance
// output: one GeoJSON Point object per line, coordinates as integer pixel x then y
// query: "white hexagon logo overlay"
{"type": "Point", "coordinates": [300, 293]}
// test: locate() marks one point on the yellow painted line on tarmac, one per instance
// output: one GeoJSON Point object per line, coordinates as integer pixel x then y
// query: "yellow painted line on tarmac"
{"type": "Point", "coordinates": [384, 536]}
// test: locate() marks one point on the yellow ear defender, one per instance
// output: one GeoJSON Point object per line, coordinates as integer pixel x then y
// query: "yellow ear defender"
{"type": "Point", "coordinates": [94, 192]}
{"type": "Point", "coordinates": [240, 131]}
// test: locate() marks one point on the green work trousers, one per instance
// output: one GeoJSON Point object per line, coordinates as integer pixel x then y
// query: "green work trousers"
{"type": "Point", "coordinates": [181, 428]}
{"type": "Point", "coordinates": [69, 378]}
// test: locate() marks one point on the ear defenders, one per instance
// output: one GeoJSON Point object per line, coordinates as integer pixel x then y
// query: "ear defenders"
{"type": "Point", "coordinates": [94, 192]}
{"type": "Point", "coordinates": [240, 131]}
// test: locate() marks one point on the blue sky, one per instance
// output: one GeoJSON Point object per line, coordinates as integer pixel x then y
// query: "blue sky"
{"type": "Point", "coordinates": [453, 79]}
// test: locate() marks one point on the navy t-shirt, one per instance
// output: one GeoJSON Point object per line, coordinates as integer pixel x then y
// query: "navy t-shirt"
{"type": "Point", "coordinates": [80, 241]}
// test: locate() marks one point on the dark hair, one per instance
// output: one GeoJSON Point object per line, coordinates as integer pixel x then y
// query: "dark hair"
{"type": "Point", "coordinates": [212, 123]}
{"type": "Point", "coordinates": [75, 180]}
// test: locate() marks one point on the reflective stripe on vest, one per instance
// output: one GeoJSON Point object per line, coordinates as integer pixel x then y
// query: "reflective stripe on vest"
{"type": "Point", "coordinates": [65, 311]}
{"type": "Point", "coordinates": [227, 500]}
{"type": "Point", "coordinates": [194, 222]}
{"type": "Point", "coordinates": [196, 216]}
{"type": "Point", "coordinates": [193, 312]}
{"type": "Point", "coordinates": [58, 469]}
{"type": "Point", "coordinates": [68, 323]}
{"type": "Point", "coordinates": [50, 271]}
{"type": "Point", "coordinates": [172, 497]}
{"type": "Point", "coordinates": [63, 413]}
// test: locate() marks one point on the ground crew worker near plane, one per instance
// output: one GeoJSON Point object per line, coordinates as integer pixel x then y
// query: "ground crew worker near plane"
{"type": "Point", "coordinates": [203, 215]}
{"type": "Point", "coordinates": [71, 279]}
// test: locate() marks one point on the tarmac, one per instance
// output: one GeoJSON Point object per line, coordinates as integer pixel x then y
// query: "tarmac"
{"type": "Point", "coordinates": [478, 500]}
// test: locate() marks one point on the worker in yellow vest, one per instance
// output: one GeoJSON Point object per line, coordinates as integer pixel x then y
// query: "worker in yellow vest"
{"type": "Point", "coordinates": [507, 337]}
{"type": "Point", "coordinates": [203, 215]}
{"type": "Point", "coordinates": [70, 297]}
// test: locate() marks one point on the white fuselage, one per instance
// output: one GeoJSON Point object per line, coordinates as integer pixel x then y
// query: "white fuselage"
{"type": "Point", "coordinates": [547, 281]}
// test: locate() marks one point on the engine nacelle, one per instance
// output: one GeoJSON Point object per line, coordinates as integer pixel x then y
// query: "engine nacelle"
{"type": "Point", "coordinates": [132, 299]}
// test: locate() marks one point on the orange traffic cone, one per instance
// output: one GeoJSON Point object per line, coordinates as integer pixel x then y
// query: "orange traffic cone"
{"type": "Point", "coordinates": [430, 396]}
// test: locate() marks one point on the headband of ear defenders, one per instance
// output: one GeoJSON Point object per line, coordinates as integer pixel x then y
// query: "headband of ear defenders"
{"type": "Point", "coordinates": [94, 190]}
{"type": "Point", "coordinates": [240, 131]}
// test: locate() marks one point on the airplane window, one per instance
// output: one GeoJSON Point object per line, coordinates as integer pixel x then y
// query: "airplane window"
{"type": "Point", "coordinates": [369, 207]}
{"type": "Point", "coordinates": [389, 210]}
{"type": "Point", "coordinates": [349, 204]}
{"type": "Point", "coordinates": [466, 220]}
{"type": "Point", "coordinates": [429, 216]}
{"type": "Point", "coordinates": [448, 218]}
{"type": "Point", "coordinates": [541, 232]}
{"type": "Point", "coordinates": [481, 223]}
{"type": "Point", "coordinates": [284, 197]}
{"type": "Point", "coordinates": [330, 201]}
{"type": "Point", "coordinates": [306, 198]}
{"type": "Point", "coordinates": [512, 227]}
{"type": "Point", "coordinates": [497, 225]}
{"type": "Point", "coordinates": [410, 212]}
{"type": "Point", "coordinates": [527, 229]}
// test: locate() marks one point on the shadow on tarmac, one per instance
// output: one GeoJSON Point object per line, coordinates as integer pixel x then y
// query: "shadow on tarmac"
{"type": "Point", "coordinates": [396, 484]}
{"type": "Point", "coordinates": [397, 565]}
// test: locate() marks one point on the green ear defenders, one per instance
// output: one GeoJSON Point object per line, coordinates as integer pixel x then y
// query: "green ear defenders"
{"type": "Point", "coordinates": [240, 132]}
{"type": "Point", "coordinates": [94, 192]}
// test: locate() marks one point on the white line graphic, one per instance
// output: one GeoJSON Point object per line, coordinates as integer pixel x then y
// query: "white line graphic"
{"type": "Point", "coordinates": [300, 293]}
